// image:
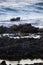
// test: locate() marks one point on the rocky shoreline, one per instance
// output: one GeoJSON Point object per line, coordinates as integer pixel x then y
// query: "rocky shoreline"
{"type": "Point", "coordinates": [22, 48]}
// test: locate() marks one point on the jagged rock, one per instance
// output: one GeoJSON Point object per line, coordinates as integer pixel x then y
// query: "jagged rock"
{"type": "Point", "coordinates": [28, 28]}
{"type": "Point", "coordinates": [25, 28]}
{"type": "Point", "coordinates": [22, 29]}
{"type": "Point", "coordinates": [15, 19]}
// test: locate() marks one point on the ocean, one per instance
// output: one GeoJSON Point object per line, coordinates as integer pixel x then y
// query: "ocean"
{"type": "Point", "coordinates": [30, 11]}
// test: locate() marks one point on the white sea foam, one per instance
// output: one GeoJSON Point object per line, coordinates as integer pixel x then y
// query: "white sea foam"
{"type": "Point", "coordinates": [20, 36]}
{"type": "Point", "coordinates": [23, 62]}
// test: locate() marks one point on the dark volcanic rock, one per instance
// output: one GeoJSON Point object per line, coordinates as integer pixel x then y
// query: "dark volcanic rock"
{"type": "Point", "coordinates": [25, 28]}
{"type": "Point", "coordinates": [41, 30]}
{"type": "Point", "coordinates": [14, 28]}
{"type": "Point", "coordinates": [22, 29]}
{"type": "Point", "coordinates": [36, 64]}
{"type": "Point", "coordinates": [3, 63]}
{"type": "Point", "coordinates": [23, 48]}
{"type": "Point", "coordinates": [17, 49]}
{"type": "Point", "coordinates": [2, 29]}
{"type": "Point", "coordinates": [15, 19]}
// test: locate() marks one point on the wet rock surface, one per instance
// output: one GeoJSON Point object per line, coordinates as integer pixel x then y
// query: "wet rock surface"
{"type": "Point", "coordinates": [22, 28]}
{"type": "Point", "coordinates": [25, 28]}
{"type": "Point", "coordinates": [22, 48]}
{"type": "Point", "coordinates": [17, 49]}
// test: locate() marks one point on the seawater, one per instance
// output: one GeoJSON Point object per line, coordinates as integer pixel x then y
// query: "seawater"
{"type": "Point", "coordinates": [28, 11]}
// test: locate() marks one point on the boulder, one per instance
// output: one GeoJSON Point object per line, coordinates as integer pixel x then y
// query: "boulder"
{"type": "Point", "coordinates": [15, 19]}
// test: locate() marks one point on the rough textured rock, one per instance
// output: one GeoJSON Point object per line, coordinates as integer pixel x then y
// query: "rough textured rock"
{"type": "Point", "coordinates": [23, 48]}
{"type": "Point", "coordinates": [25, 28]}
{"type": "Point", "coordinates": [17, 49]}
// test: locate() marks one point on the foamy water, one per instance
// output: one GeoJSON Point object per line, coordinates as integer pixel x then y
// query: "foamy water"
{"type": "Point", "coordinates": [23, 62]}
{"type": "Point", "coordinates": [27, 9]}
